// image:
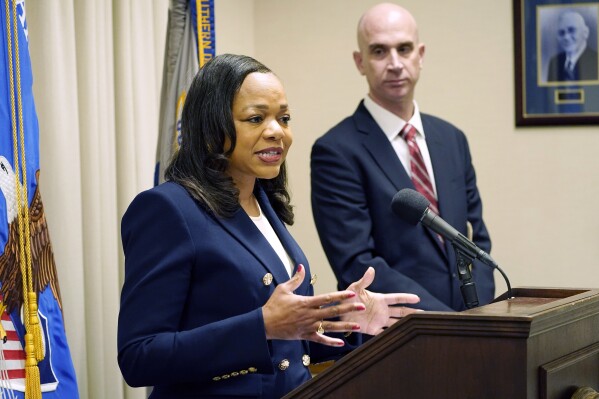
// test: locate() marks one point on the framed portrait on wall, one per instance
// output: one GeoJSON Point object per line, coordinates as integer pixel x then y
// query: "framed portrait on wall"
{"type": "Point", "coordinates": [556, 62]}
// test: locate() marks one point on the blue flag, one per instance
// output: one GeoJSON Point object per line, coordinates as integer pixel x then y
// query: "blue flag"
{"type": "Point", "coordinates": [190, 44]}
{"type": "Point", "coordinates": [28, 277]}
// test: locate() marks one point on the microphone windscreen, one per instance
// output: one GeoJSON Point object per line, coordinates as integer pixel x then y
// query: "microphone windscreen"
{"type": "Point", "coordinates": [409, 205]}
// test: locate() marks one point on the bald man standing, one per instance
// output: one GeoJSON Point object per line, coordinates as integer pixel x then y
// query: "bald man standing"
{"type": "Point", "coordinates": [386, 145]}
{"type": "Point", "coordinates": [576, 61]}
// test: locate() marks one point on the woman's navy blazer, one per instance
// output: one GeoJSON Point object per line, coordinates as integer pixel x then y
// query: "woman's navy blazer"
{"type": "Point", "coordinates": [190, 322]}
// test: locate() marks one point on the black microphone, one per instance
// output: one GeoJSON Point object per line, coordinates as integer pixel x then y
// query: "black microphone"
{"type": "Point", "coordinates": [413, 207]}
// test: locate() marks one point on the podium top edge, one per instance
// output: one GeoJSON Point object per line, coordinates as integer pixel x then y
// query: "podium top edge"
{"type": "Point", "coordinates": [547, 292]}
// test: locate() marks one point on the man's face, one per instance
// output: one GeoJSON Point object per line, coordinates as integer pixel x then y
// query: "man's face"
{"type": "Point", "coordinates": [572, 32]}
{"type": "Point", "coordinates": [390, 57]}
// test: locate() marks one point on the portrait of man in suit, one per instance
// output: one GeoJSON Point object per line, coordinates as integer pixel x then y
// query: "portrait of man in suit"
{"type": "Point", "coordinates": [576, 60]}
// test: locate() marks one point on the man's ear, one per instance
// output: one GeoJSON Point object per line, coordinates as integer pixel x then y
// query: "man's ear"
{"type": "Point", "coordinates": [421, 52]}
{"type": "Point", "coordinates": [585, 32]}
{"type": "Point", "coordinates": [358, 61]}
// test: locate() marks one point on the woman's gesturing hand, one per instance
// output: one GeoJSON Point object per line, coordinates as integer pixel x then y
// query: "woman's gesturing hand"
{"type": "Point", "coordinates": [380, 312]}
{"type": "Point", "coordinates": [290, 316]}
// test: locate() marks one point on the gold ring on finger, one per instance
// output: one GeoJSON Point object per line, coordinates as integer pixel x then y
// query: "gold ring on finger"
{"type": "Point", "coordinates": [320, 329]}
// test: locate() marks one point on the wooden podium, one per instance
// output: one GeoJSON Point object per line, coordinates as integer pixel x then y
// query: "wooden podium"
{"type": "Point", "coordinates": [543, 343]}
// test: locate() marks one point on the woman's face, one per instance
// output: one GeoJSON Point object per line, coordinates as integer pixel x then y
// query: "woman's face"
{"type": "Point", "coordinates": [261, 117]}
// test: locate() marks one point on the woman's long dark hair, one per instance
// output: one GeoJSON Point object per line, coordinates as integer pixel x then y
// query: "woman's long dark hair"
{"type": "Point", "coordinates": [207, 120]}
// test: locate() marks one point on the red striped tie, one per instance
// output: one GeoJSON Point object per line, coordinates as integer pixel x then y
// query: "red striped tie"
{"type": "Point", "coordinates": [420, 176]}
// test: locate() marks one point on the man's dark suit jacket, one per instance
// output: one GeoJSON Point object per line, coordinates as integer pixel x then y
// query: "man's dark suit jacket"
{"type": "Point", "coordinates": [355, 173]}
{"type": "Point", "coordinates": [190, 322]}
{"type": "Point", "coordinates": [585, 68]}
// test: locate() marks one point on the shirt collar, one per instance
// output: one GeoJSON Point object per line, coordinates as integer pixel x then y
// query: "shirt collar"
{"type": "Point", "coordinates": [390, 123]}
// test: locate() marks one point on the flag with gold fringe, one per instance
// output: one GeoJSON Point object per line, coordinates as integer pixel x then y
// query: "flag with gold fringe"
{"type": "Point", "coordinates": [190, 43]}
{"type": "Point", "coordinates": [35, 361]}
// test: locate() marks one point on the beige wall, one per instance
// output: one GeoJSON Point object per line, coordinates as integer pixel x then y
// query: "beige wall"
{"type": "Point", "coordinates": [539, 185]}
